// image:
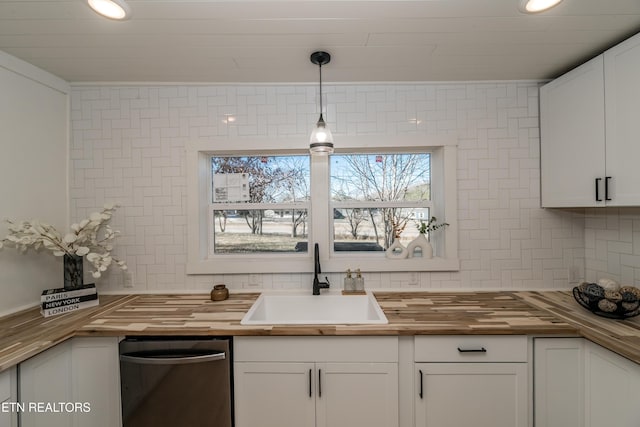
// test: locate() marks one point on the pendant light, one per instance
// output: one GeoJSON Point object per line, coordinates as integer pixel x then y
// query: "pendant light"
{"type": "Point", "coordinates": [321, 141]}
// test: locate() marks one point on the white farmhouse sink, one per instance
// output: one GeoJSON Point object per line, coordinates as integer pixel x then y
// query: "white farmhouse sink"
{"type": "Point", "coordinates": [307, 309]}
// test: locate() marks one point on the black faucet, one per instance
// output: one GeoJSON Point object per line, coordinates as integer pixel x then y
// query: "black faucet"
{"type": "Point", "coordinates": [317, 284]}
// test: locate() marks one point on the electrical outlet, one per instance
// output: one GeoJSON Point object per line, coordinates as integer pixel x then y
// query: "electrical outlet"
{"type": "Point", "coordinates": [413, 279]}
{"type": "Point", "coordinates": [128, 279]}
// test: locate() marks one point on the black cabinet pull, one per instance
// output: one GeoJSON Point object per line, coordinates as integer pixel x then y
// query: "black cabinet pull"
{"type": "Point", "coordinates": [598, 199]}
{"type": "Point", "coordinates": [606, 187]}
{"type": "Point", "coordinates": [319, 382]}
{"type": "Point", "coordinates": [310, 389]}
{"type": "Point", "coordinates": [472, 350]}
{"type": "Point", "coordinates": [421, 394]}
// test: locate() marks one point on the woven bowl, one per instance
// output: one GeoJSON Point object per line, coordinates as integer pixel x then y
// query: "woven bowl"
{"type": "Point", "coordinates": [621, 304]}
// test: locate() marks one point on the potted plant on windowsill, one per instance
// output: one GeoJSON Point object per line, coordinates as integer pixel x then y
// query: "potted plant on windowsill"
{"type": "Point", "coordinates": [422, 241]}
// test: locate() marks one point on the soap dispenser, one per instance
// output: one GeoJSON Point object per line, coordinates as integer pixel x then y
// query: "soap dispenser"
{"type": "Point", "coordinates": [359, 281]}
{"type": "Point", "coordinates": [349, 284]}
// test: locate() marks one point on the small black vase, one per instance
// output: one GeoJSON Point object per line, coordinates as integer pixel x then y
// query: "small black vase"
{"type": "Point", "coordinates": [73, 273]}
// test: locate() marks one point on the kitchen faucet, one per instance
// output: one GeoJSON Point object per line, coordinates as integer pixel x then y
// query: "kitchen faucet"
{"type": "Point", "coordinates": [317, 284]}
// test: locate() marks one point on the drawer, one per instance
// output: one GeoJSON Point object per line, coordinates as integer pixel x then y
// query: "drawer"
{"type": "Point", "coordinates": [316, 349]}
{"type": "Point", "coordinates": [5, 385]}
{"type": "Point", "coordinates": [471, 348]}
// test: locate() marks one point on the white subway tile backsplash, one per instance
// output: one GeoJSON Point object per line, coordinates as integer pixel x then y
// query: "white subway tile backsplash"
{"type": "Point", "coordinates": [128, 146]}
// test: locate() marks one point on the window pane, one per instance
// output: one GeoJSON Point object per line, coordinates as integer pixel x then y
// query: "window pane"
{"type": "Point", "coordinates": [260, 179]}
{"type": "Point", "coordinates": [358, 229]}
{"type": "Point", "coordinates": [383, 177]}
{"type": "Point", "coordinates": [260, 231]}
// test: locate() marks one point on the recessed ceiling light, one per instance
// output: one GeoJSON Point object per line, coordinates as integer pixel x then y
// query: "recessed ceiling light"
{"type": "Point", "coordinates": [113, 9]}
{"type": "Point", "coordinates": [535, 6]}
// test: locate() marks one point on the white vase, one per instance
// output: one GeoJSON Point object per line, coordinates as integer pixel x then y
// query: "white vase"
{"type": "Point", "coordinates": [422, 243]}
{"type": "Point", "coordinates": [396, 250]}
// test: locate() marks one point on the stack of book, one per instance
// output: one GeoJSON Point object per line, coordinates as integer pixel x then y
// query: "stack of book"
{"type": "Point", "coordinates": [59, 301]}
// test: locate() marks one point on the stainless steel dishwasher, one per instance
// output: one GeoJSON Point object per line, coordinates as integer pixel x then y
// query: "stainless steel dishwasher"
{"type": "Point", "coordinates": [176, 382]}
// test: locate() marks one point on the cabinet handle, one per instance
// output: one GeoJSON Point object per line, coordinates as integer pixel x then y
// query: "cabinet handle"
{"type": "Point", "coordinates": [598, 199]}
{"type": "Point", "coordinates": [319, 382]}
{"type": "Point", "coordinates": [606, 187]}
{"type": "Point", "coordinates": [421, 394]}
{"type": "Point", "coordinates": [310, 379]}
{"type": "Point", "coordinates": [472, 350]}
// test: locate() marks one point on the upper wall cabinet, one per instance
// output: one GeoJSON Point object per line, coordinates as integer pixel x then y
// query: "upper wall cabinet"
{"type": "Point", "coordinates": [588, 129]}
{"type": "Point", "coordinates": [572, 148]}
{"type": "Point", "coordinates": [622, 109]}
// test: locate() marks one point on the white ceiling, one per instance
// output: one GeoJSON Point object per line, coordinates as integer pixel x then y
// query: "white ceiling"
{"type": "Point", "coordinates": [270, 41]}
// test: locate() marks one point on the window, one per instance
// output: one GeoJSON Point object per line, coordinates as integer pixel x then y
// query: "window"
{"type": "Point", "coordinates": [259, 204]}
{"type": "Point", "coordinates": [253, 210]}
{"type": "Point", "coordinates": [374, 196]}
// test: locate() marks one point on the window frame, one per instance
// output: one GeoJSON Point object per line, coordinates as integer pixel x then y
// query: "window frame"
{"type": "Point", "coordinates": [443, 151]}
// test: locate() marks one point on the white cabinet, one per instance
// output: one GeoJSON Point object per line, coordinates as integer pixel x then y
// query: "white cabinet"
{"type": "Point", "coordinates": [589, 132]}
{"type": "Point", "coordinates": [622, 104]}
{"type": "Point", "coordinates": [316, 381]}
{"type": "Point", "coordinates": [559, 382]}
{"type": "Point", "coordinates": [46, 378]}
{"type": "Point", "coordinates": [572, 137]}
{"type": "Point", "coordinates": [578, 383]}
{"type": "Point", "coordinates": [480, 381]}
{"type": "Point", "coordinates": [8, 398]}
{"type": "Point", "coordinates": [95, 373]}
{"type": "Point", "coordinates": [272, 394]}
{"type": "Point", "coordinates": [612, 389]}
{"type": "Point", "coordinates": [79, 378]}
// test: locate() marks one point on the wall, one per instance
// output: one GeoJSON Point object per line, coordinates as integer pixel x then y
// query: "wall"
{"type": "Point", "coordinates": [128, 146]}
{"type": "Point", "coordinates": [34, 124]}
{"type": "Point", "coordinates": [612, 244]}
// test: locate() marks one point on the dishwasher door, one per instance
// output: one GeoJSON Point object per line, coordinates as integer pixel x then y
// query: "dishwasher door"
{"type": "Point", "coordinates": [176, 382]}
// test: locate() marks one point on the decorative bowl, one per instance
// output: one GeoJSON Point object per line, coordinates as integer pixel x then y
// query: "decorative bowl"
{"type": "Point", "coordinates": [614, 304]}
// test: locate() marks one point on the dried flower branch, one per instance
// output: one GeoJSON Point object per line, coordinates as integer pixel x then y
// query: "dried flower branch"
{"type": "Point", "coordinates": [84, 239]}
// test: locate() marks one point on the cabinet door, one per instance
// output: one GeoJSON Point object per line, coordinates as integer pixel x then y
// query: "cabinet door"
{"type": "Point", "coordinates": [357, 394]}
{"type": "Point", "coordinates": [471, 394]}
{"type": "Point", "coordinates": [559, 382]}
{"type": "Point", "coordinates": [8, 396]}
{"type": "Point", "coordinates": [572, 137]}
{"type": "Point", "coordinates": [46, 378]}
{"type": "Point", "coordinates": [622, 105]}
{"type": "Point", "coordinates": [272, 394]}
{"type": "Point", "coordinates": [96, 380]}
{"type": "Point", "coordinates": [612, 389]}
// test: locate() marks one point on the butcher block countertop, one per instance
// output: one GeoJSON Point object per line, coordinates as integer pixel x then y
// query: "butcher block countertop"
{"type": "Point", "coordinates": [27, 333]}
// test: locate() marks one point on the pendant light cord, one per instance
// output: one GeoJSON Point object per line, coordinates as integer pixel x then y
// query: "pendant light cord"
{"type": "Point", "coordinates": [320, 66]}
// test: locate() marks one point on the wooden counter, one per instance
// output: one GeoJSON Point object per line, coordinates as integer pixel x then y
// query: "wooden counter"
{"type": "Point", "coordinates": [27, 333]}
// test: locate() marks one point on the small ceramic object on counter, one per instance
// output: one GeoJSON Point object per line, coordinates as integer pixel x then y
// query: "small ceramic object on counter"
{"type": "Point", "coordinates": [219, 293]}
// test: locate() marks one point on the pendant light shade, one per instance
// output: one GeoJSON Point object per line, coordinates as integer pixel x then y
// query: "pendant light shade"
{"type": "Point", "coordinates": [321, 140]}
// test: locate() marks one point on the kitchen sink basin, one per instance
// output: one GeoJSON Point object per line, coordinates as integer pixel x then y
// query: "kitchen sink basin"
{"type": "Point", "coordinates": [306, 309]}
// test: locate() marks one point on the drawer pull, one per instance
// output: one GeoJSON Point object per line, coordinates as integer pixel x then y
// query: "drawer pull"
{"type": "Point", "coordinates": [421, 394]}
{"type": "Point", "coordinates": [472, 350]}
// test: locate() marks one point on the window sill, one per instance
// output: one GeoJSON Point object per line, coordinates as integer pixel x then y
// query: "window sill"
{"type": "Point", "coordinates": [368, 264]}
